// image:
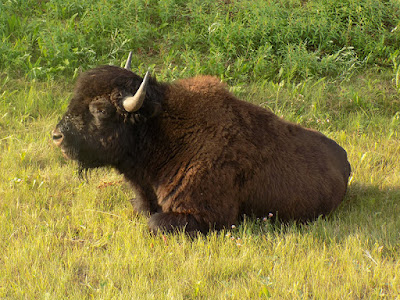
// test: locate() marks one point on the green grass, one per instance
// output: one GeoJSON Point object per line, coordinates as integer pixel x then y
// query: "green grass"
{"type": "Point", "coordinates": [329, 65]}
{"type": "Point", "coordinates": [237, 40]}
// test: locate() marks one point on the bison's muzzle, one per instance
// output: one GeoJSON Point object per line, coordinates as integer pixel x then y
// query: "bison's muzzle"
{"type": "Point", "coordinates": [57, 137]}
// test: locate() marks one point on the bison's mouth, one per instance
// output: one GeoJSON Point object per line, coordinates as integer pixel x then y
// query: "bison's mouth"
{"type": "Point", "coordinates": [65, 153]}
{"type": "Point", "coordinates": [58, 140]}
{"type": "Point", "coordinates": [69, 154]}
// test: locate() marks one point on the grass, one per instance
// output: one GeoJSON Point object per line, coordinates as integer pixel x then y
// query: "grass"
{"type": "Point", "coordinates": [237, 40]}
{"type": "Point", "coordinates": [64, 238]}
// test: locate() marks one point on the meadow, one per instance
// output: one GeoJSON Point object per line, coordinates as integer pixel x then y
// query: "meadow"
{"type": "Point", "coordinates": [329, 65]}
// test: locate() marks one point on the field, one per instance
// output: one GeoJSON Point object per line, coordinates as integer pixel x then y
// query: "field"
{"type": "Point", "coordinates": [329, 65]}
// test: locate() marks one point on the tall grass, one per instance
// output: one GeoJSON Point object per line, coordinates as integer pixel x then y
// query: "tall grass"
{"type": "Point", "coordinates": [328, 65]}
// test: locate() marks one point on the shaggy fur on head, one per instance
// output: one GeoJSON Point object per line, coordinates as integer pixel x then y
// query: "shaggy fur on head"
{"type": "Point", "coordinates": [197, 157]}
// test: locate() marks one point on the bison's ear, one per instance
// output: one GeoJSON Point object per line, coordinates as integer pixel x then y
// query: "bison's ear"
{"type": "Point", "coordinates": [149, 110]}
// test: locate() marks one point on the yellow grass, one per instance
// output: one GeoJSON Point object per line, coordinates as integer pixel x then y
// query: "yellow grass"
{"type": "Point", "coordinates": [63, 238]}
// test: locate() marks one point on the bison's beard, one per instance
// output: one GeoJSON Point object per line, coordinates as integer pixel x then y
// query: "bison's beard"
{"type": "Point", "coordinates": [88, 155]}
{"type": "Point", "coordinates": [84, 169]}
{"type": "Point", "coordinates": [85, 162]}
{"type": "Point", "coordinates": [86, 166]}
{"type": "Point", "coordinates": [83, 172]}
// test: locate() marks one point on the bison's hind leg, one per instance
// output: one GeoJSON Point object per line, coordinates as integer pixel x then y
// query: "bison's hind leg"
{"type": "Point", "coordinates": [172, 221]}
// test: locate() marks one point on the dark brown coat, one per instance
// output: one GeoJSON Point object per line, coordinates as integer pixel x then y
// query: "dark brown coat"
{"type": "Point", "coordinates": [199, 158]}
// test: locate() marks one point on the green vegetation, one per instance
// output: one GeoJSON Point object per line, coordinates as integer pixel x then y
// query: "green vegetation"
{"type": "Point", "coordinates": [329, 65]}
{"type": "Point", "coordinates": [238, 40]}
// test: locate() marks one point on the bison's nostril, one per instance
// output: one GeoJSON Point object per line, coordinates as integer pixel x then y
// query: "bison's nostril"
{"type": "Point", "coordinates": [57, 137]}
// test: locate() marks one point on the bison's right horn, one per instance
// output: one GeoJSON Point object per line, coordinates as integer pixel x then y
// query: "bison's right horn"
{"type": "Point", "coordinates": [135, 102]}
{"type": "Point", "coordinates": [128, 62]}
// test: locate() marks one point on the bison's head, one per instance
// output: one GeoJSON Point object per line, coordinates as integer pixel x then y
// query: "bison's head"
{"type": "Point", "coordinates": [108, 106]}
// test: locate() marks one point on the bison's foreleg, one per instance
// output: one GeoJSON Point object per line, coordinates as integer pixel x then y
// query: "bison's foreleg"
{"type": "Point", "coordinates": [172, 221]}
{"type": "Point", "coordinates": [140, 206]}
{"type": "Point", "coordinates": [145, 201]}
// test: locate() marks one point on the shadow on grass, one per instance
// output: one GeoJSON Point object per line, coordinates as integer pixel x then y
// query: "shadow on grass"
{"type": "Point", "coordinates": [368, 213]}
{"type": "Point", "coordinates": [372, 212]}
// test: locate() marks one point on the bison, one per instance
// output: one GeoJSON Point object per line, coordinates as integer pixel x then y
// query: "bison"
{"type": "Point", "coordinates": [197, 157]}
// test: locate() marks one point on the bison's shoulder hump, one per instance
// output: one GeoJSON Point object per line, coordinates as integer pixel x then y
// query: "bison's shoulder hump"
{"type": "Point", "coordinates": [201, 83]}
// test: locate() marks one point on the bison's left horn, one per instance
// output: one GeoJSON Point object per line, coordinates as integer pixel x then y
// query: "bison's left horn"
{"type": "Point", "coordinates": [135, 102]}
{"type": "Point", "coordinates": [128, 62]}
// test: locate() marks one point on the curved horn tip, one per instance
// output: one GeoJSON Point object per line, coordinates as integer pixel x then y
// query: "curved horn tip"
{"type": "Point", "coordinates": [135, 102]}
{"type": "Point", "coordinates": [128, 61]}
{"type": "Point", "coordinates": [146, 76]}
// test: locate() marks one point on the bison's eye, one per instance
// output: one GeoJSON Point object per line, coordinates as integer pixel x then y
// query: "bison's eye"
{"type": "Point", "coordinates": [101, 108]}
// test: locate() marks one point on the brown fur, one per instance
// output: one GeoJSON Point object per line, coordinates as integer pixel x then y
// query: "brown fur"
{"type": "Point", "coordinates": [236, 158]}
{"type": "Point", "coordinates": [206, 158]}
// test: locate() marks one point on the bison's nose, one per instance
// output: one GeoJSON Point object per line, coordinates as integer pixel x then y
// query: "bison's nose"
{"type": "Point", "coordinates": [57, 137]}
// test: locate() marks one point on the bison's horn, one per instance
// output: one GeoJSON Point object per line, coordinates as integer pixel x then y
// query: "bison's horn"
{"type": "Point", "coordinates": [135, 102]}
{"type": "Point", "coordinates": [128, 62]}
